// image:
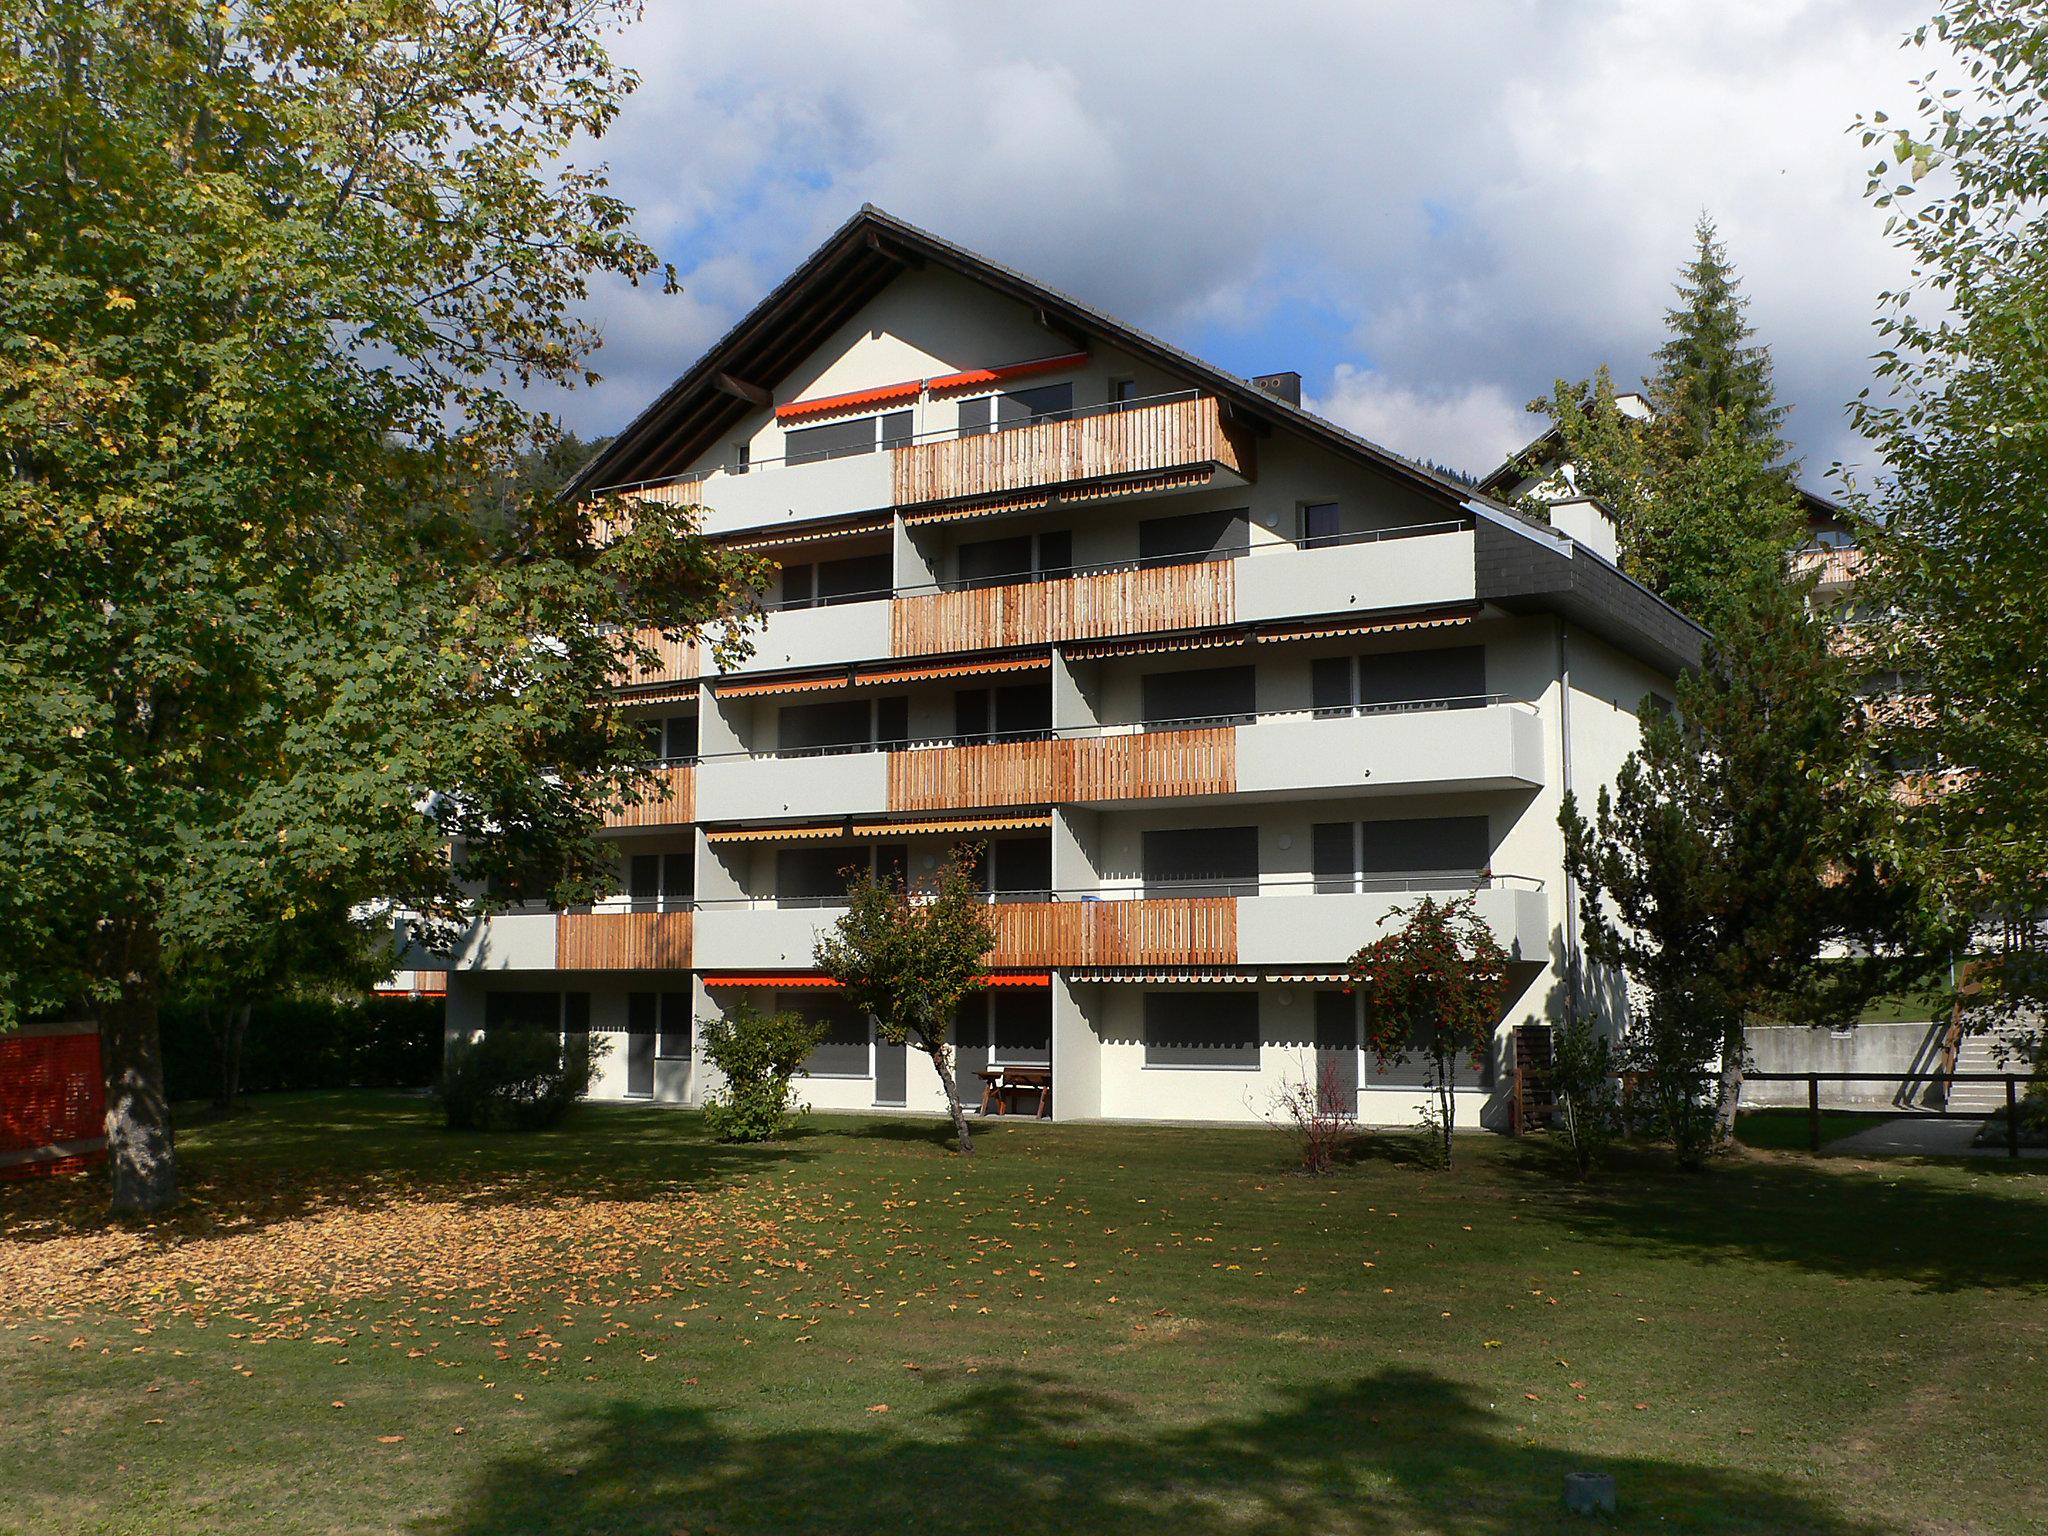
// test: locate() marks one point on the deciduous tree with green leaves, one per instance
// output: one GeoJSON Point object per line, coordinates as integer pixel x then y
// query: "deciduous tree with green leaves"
{"type": "Point", "coordinates": [1435, 986]}
{"type": "Point", "coordinates": [1955, 522]}
{"type": "Point", "coordinates": [272, 279]}
{"type": "Point", "coordinates": [908, 956]}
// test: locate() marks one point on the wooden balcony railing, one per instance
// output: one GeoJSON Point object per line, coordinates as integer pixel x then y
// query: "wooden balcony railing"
{"type": "Point", "coordinates": [1179, 930]}
{"type": "Point", "coordinates": [623, 941]}
{"type": "Point", "coordinates": [1176, 434]}
{"type": "Point", "coordinates": [669, 799]}
{"type": "Point", "coordinates": [1150, 765]}
{"type": "Point", "coordinates": [1837, 567]}
{"type": "Point", "coordinates": [1135, 602]}
{"type": "Point", "coordinates": [678, 660]}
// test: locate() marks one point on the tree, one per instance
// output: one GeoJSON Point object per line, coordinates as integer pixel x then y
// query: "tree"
{"type": "Point", "coordinates": [907, 957]}
{"type": "Point", "coordinates": [271, 284]}
{"type": "Point", "coordinates": [758, 1054]}
{"type": "Point", "coordinates": [1954, 521]}
{"type": "Point", "coordinates": [1435, 985]}
{"type": "Point", "coordinates": [1701, 497]}
{"type": "Point", "coordinates": [1745, 839]}
{"type": "Point", "coordinates": [1710, 365]}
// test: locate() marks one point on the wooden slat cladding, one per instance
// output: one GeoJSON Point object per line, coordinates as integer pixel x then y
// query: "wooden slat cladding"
{"type": "Point", "coordinates": [1166, 597]}
{"type": "Point", "coordinates": [1146, 766]}
{"type": "Point", "coordinates": [623, 941]}
{"type": "Point", "coordinates": [1180, 930]}
{"type": "Point", "coordinates": [678, 660]}
{"type": "Point", "coordinates": [669, 799]}
{"type": "Point", "coordinates": [1155, 764]}
{"type": "Point", "coordinates": [1148, 437]}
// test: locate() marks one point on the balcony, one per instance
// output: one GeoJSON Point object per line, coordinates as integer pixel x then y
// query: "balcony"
{"type": "Point", "coordinates": [1488, 742]}
{"type": "Point", "coordinates": [1147, 765]}
{"type": "Point", "coordinates": [1179, 434]}
{"type": "Point", "coordinates": [1297, 924]}
{"type": "Point", "coordinates": [1030, 935]}
{"type": "Point", "coordinates": [1835, 567]}
{"type": "Point", "coordinates": [1084, 606]}
{"type": "Point", "coordinates": [668, 798]}
{"type": "Point", "coordinates": [678, 661]}
{"type": "Point", "coordinates": [623, 941]}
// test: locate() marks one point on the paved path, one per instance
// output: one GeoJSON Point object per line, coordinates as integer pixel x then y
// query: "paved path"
{"type": "Point", "coordinates": [1921, 1136]}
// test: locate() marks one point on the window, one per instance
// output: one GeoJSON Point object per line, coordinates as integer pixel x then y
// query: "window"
{"type": "Point", "coordinates": [660, 882]}
{"type": "Point", "coordinates": [1454, 675]}
{"type": "Point", "coordinates": [1192, 537]}
{"type": "Point", "coordinates": [844, 1052]}
{"type": "Point", "coordinates": [896, 429]}
{"type": "Point", "coordinates": [834, 440]}
{"type": "Point", "coordinates": [1425, 845]}
{"type": "Point", "coordinates": [523, 1010]}
{"type": "Point", "coordinates": [681, 744]}
{"type": "Point", "coordinates": [843, 724]}
{"type": "Point", "coordinates": [1019, 712]}
{"type": "Point", "coordinates": [742, 457]}
{"type": "Point", "coordinates": [1331, 686]}
{"type": "Point", "coordinates": [808, 877]}
{"type": "Point", "coordinates": [1017, 408]}
{"type": "Point", "coordinates": [1055, 551]}
{"type": "Point", "coordinates": [892, 720]}
{"type": "Point", "coordinates": [1202, 696]}
{"type": "Point", "coordinates": [1333, 853]}
{"type": "Point", "coordinates": [1022, 1029]}
{"type": "Point", "coordinates": [1345, 854]}
{"type": "Point", "coordinates": [1019, 869]}
{"type": "Point", "coordinates": [836, 581]}
{"type": "Point", "coordinates": [991, 562]}
{"type": "Point", "coordinates": [1319, 524]}
{"type": "Point", "coordinates": [675, 1025]}
{"type": "Point", "coordinates": [1202, 1029]}
{"type": "Point", "coordinates": [1414, 1072]}
{"type": "Point", "coordinates": [1122, 392]}
{"type": "Point", "coordinates": [1202, 861]}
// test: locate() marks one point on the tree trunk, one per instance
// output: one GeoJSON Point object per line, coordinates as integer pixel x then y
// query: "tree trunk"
{"type": "Point", "coordinates": [944, 1068]}
{"type": "Point", "coordinates": [1447, 1102]}
{"type": "Point", "coordinates": [1731, 1091]}
{"type": "Point", "coordinates": [234, 1030]}
{"type": "Point", "coordinates": [141, 1159]}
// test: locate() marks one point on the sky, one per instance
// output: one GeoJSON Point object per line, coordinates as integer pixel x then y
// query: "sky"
{"type": "Point", "coordinates": [1431, 209]}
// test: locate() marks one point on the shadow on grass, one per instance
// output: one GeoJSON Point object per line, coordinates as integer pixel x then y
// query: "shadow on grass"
{"type": "Point", "coordinates": [287, 1156]}
{"type": "Point", "coordinates": [1941, 1229]}
{"type": "Point", "coordinates": [1400, 1450]}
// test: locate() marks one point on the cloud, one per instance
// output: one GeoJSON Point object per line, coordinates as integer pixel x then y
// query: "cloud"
{"type": "Point", "coordinates": [1429, 207]}
{"type": "Point", "coordinates": [1475, 425]}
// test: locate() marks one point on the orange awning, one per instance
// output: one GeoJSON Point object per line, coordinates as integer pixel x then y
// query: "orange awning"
{"type": "Point", "coordinates": [958, 824]}
{"type": "Point", "coordinates": [808, 533]}
{"type": "Point", "coordinates": [1215, 639]}
{"type": "Point", "coordinates": [876, 677]}
{"type": "Point", "coordinates": [1101, 490]}
{"type": "Point", "coordinates": [971, 377]}
{"type": "Point", "coordinates": [808, 831]}
{"type": "Point", "coordinates": [1032, 501]}
{"type": "Point", "coordinates": [852, 401]}
{"type": "Point", "coordinates": [1319, 629]}
{"type": "Point", "coordinates": [881, 675]}
{"type": "Point", "coordinates": [813, 979]}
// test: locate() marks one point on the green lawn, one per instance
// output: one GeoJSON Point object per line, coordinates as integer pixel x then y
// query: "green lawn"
{"type": "Point", "coordinates": [363, 1323]}
{"type": "Point", "coordinates": [1791, 1130]}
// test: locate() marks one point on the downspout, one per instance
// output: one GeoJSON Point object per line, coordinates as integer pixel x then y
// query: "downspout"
{"type": "Point", "coordinates": [1571, 893]}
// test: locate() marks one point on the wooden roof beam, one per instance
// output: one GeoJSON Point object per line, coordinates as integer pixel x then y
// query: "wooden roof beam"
{"type": "Point", "coordinates": [740, 389]}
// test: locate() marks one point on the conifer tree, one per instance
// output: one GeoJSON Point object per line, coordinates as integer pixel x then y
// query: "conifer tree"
{"type": "Point", "coordinates": [1711, 365]}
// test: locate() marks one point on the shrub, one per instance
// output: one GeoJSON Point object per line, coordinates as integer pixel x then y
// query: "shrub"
{"type": "Point", "coordinates": [758, 1054]}
{"type": "Point", "coordinates": [1312, 1112]}
{"type": "Point", "coordinates": [1582, 1080]}
{"type": "Point", "coordinates": [516, 1079]}
{"type": "Point", "coordinates": [297, 1043]}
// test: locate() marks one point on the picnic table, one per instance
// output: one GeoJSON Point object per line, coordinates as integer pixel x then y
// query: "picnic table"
{"type": "Point", "coordinates": [998, 1083]}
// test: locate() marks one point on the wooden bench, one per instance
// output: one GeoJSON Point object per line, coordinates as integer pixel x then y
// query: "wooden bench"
{"type": "Point", "coordinates": [998, 1083]}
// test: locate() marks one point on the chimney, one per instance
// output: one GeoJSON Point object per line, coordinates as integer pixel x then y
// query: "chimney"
{"type": "Point", "coordinates": [1281, 386]}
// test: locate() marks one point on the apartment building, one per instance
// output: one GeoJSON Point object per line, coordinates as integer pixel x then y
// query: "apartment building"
{"type": "Point", "coordinates": [1216, 686]}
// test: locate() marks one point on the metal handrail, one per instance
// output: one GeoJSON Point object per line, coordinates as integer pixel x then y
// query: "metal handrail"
{"type": "Point", "coordinates": [915, 439]}
{"type": "Point", "coordinates": [1134, 728]}
{"type": "Point", "coordinates": [1420, 881]}
{"type": "Point", "coordinates": [1115, 567]}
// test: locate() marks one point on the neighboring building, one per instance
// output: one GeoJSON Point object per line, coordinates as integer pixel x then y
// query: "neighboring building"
{"type": "Point", "coordinates": [1218, 684]}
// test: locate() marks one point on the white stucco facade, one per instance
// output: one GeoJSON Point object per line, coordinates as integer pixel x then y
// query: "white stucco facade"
{"type": "Point", "coordinates": [1217, 711]}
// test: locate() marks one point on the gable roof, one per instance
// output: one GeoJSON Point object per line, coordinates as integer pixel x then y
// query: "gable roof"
{"type": "Point", "coordinates": [855, 263]}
